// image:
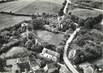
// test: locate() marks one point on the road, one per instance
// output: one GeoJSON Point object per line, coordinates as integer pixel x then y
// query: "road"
{"type": "Point", "coordinates": [66, 7]}
{"type": "Point", "coordinates": [65, 57]}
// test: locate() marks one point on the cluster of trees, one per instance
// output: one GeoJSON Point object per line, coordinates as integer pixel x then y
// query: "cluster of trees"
{"type": "Point", "coordinates": [88, 45]}
{"type": "Point", "coordinates": [39, 23]}
{"type": "Point", "coordinates": [92, 22]}
{"type": "Point", "coordinates": [77, 20]}
{"type": "Point", "coordinates": [88, 36]}
{"type": "Point", "coordinates": [67, 24]}
{"type": "Point", "coordinates": [16, 31]}
{"type": "Point", "coordinates": [89, 53]}
{"type": "Point", "coordinates": [31, 42]}
{"type": "Point", "coordinates": [88, 23]}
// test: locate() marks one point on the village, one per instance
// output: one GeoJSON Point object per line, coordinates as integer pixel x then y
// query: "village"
{"type": "Point", "coordinates": [53, 43]}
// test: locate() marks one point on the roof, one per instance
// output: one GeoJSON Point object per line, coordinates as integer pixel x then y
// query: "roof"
{"type": "Point", "coordinates": [51, 52]}
{"type": "Point", "coordinates": [49, 55]}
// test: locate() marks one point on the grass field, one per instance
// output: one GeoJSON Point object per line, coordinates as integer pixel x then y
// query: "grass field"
{"type": "Point", "coordinates": [84, 13]}
{"type": "Point", "coordinates": [8, 20]}
{"type": "Point", "coordinates": [40, 7]}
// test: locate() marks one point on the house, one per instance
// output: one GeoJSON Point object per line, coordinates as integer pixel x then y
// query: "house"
{"type": "Point", "coordinates": [50, 55]}
{"type": "Point", "coordinates": [87, 67]}
{"type": "Point", "coordinates": [18, 65]}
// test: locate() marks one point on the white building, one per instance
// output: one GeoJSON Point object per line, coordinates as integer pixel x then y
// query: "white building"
{"type": "Point", "coordinates": [50, 55]}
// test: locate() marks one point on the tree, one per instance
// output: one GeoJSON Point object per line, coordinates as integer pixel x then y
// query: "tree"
{"type": "Point", "coordinates": [87, 54]}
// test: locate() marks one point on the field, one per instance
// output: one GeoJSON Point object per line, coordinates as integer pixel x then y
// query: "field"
{"type": "Point", "coordinates": [40, 7]}
{"type": "Point", "coordinates": [84, 13]}
{"type": "Point", "coordinates": [21, 6]}
{"type": "Point", "coordinates": [8, 20]}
